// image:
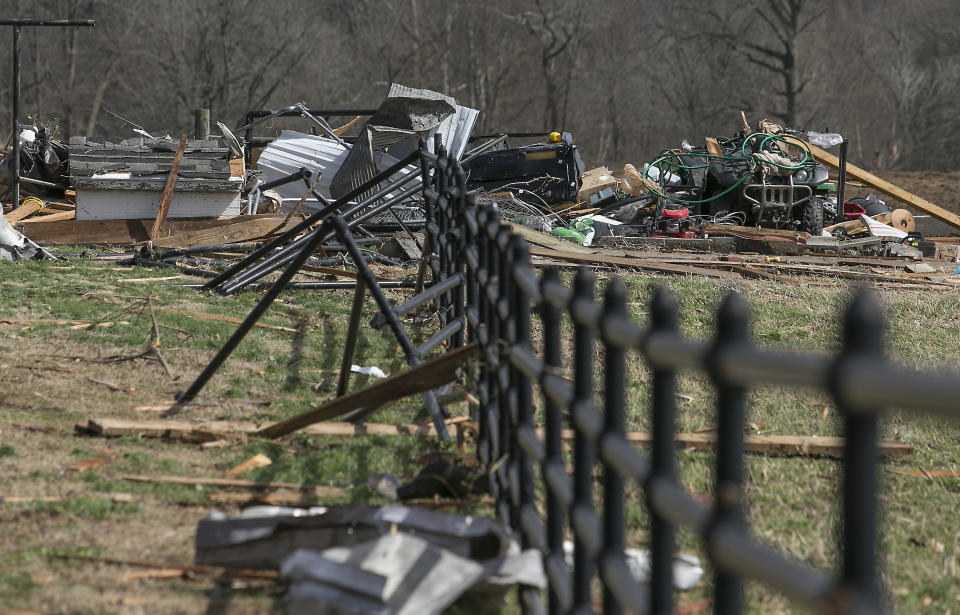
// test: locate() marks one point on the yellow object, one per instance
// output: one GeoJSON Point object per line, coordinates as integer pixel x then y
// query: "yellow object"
{"type": "Point", "coordinates": [554, 137]}
{"type": "Point", "coordinates": [33, 199]}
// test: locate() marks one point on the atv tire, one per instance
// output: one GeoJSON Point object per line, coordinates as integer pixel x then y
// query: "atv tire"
{"type": "Point", "coordinates": [811, 217]}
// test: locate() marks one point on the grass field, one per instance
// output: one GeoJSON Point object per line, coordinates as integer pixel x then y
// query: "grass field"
{"type": "Point", "coordinates": [52, 376]}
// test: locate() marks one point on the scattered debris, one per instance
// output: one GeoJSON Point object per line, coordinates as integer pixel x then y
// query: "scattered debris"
{"type": "Point", "coordinates": [257, 461]}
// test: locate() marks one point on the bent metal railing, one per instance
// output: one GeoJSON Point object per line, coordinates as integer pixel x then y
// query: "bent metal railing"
{"type": "Point", "coordinates": [501, 291]}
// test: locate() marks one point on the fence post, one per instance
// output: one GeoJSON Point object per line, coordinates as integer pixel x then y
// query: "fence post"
{"type": "Point", "coordinates": [458, 255]}
{"type": "Point", "coordinates": [559, 597]}
{"type": "Point", "coordinates": [501, 378]}
{"type": "Point", "coordinates": [521, 400]}
{"type": "Point", "coordinates": [582, 514]}
{"type": "Point", "coordinates": [731, 332]}
{"type": "Point", "coordinates": [863, 341]}
{"type": "Point", "coordinates": [663, 317]}
{"type": "Point", "coordinates": [615, 306]}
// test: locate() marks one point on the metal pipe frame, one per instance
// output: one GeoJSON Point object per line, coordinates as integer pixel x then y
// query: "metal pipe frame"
{"type": "Point", "coordinates": [315, 218]}
{"type": "Point", "coordinates": [17, 24]}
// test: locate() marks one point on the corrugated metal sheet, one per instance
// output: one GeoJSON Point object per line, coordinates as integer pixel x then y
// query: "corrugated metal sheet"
{"type": "Point", "coordinates": [454, 130]}
{"type": "Point", "coordinates": [293, 150]}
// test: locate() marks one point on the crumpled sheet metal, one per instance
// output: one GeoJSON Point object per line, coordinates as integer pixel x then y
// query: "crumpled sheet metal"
{"type": "Point", "coordinates": [14, 246]}
{"type": "Point", "coordinates": [263, 543]}
{"type": "Point", "coordinates": [294, 150]}
{"type": "Point", "coordinates": [397, 574]}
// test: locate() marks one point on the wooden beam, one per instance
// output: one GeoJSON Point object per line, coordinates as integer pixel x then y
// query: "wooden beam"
{"type": "Point", "coordinates": [631, 262]}
{"type": "Point", "coordinates": [102, 232]}
{"type": "Point", "coordinates": [211, 431]}
{"type": "Point", "coordinates": [57, 217]}
{"type": "Point", "coordinates": [229, 233]}
{"type": "Point", "coordinates": [239, 573]}
{"type": "Point", "coordinates": [829, 446]}
{"type": "Point", "coordinates": [891, 190]}
{"type": "Point", "coordinates": [771, 445]}
{"type": "Point", "coordinates": [752, 232]}
{"type": "Point", "coordinates": [238, 483]}
{"type": "Point", "coordinates": [26, 210]}
{"type": "Point", "coordinates": [168, 189]}
{"type": "Point", "coordinates": [713, 146]}
{"type": "Point", "coordinates": [424, 377]}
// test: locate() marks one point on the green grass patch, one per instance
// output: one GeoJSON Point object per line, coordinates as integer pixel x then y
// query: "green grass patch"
{"type": "Point", "coordinates": [7, 450]}
{"type": "Point", "coordinates": [85, 507]}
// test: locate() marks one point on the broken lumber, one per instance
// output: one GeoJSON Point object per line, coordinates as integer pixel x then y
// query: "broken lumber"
{"type": "Point", "coordinates": [238, 483]}
{"type": "Point", "coordinates": [239, 573]}
{"type": "Point", "coordinates": [424, 377]}
{"type": "Point", "coordinates": [713, 146]}
{"type": "Point", "coordinates": [230, 233]}
{"type": "Point", "coordinates": [168, 189]}
{"type": "Point", "coordinates": [104, 232]}
{"type": "Point", "coordinates": [631, 262]}
{"type": "Point", "coordinates": [829, 446]}
{"type": "Point", "coordinates": [257, 461]}
{"type": "Point", "coordinates": [24, 211]}
{"type": "Point", "coordinates": [57, 217]}
{"type": "Point", "coordinates": [211, 431]}
{"type": "Point", "coordinates": [752, 232]}
{"type": "Point", "coordinates": [883, 186]}
{"type": "Point", "coordinates": [768, 444]}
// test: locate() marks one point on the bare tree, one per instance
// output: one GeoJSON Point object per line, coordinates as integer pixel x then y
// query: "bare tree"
{"type": "Point", "coordinates": [783, 22]}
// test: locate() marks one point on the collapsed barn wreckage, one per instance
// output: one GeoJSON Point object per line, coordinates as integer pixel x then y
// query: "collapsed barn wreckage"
{"type": "Point", "coordinates": [764, 184]}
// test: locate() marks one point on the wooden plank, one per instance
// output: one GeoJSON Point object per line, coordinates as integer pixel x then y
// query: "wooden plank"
{"type": "Point", "coordinates": [752, 232]}
{"type": "Point", "coordinates": [829, 446]}
{"type": "Point", "coordinates": [212, 431]}
{"type": "Point", "coordinates": [238, 483]}
{"type": "Point", "coordinates": [891, 190]}
{"type": "Point", "coordinates": [168, 189]}
{"type": "Point", "coordinates": [57, 217]}
{"type": "Point", "coordinates": [267, 575]}
{"type": "Point", "coordinates": [631, 262]}
{"type": "Point", "coordinates": [229, 233]}
{"type": "Point", "coordinates": [24, 211]}
{"type": "Point", "coordinates": [545, 240]}
{"type": "Point", "coordinates": [106, 232]}
{"type": "Point", "coordinates": [424, 377]}
{"type": "Point", "coordinates": [342, 129]}
{"type": "Point", "coordinates": [713, 146]}
{"type": "Point", "coordinates": [768, 444]}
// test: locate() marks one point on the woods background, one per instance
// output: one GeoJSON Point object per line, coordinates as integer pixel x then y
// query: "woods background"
{"type": "Point", "coordinates": [626, 77]}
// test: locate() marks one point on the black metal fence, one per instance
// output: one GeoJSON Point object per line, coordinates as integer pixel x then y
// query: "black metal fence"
{"type": "Point", "coordinates": [499, 293]}
{"type": "Point", "coordinates": [485, 290]}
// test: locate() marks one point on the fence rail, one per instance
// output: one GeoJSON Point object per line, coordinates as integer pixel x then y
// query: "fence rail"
{"type": "Point", "coordinates": [498, 295]}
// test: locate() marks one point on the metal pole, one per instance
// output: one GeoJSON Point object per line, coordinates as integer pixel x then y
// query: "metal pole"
{"type": "Point", "coordinates": [17, 24]}
{"type": "Point", "coordinates": [841, 180]}
{"type": "Point", "coordinates": [353, 332]}
{"type": "Point", "coordinates": [15, 152]}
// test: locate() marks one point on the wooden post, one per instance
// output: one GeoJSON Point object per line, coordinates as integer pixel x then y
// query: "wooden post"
{"type": "Point", "coordinates": [168, 189]}
{"type": "Point", "coordinates": [201, 124]}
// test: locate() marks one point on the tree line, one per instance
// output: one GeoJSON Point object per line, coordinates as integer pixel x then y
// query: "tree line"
{"type": "Point", "coordinates": [627, 77]}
